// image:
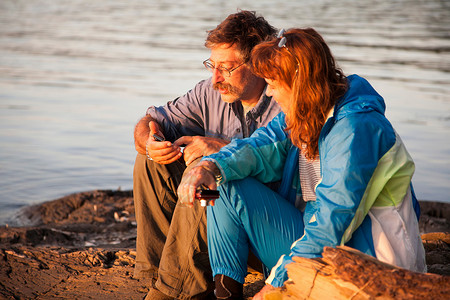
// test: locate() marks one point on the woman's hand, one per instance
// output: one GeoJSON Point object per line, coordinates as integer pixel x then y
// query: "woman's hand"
{"type": "Point", "coordinates": [199, 176]}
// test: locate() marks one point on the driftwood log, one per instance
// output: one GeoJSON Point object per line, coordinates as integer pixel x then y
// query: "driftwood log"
{"type": "Point", "coordinates": [345, 273]}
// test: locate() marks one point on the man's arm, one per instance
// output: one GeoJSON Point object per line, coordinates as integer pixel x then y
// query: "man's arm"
{"type": "Point", "coordinates": [163, 152]}
{"type": "Point", "coordinates": [196, 146]}
{"type": "Point", "coordinates": [183, 119]}
{"type": "Point", "coordinates": [141, 134]}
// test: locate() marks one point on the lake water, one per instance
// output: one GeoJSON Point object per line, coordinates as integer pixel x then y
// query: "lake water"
{"type": "Point", "coordinates": [76, 75]}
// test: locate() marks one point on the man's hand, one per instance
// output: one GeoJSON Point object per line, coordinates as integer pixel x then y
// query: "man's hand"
{"type": "Point", "coordinates": [162, 152]}
{"type": "Point", "coordinates": [198, 146]}
{"type": "Point", "coordinates": [141, 133]}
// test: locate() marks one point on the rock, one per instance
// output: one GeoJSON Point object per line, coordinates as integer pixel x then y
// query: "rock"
{"type": "Point", "coordinates": [345, 273]}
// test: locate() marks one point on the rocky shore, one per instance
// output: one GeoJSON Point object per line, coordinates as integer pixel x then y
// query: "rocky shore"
{"type": "Point", "coordinates": [82, 246]}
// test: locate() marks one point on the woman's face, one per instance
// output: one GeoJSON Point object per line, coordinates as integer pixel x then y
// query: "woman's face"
{"type": "Point", "coordinates": [280, 93]}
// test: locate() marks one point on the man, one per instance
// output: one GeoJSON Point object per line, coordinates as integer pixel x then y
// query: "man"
{"type": "Point", "coordinates": [171, 239]}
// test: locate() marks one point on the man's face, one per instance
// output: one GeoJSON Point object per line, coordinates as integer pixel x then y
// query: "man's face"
{"type": "Point", "coordinates": [241, 84]}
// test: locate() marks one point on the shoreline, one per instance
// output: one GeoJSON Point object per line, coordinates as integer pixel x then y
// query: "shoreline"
{"type": "Point", "coordinates": [83, 246]}
{"type": "Point", "coordinates": [106, 205]}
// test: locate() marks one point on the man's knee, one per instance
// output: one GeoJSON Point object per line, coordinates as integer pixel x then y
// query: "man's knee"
{"type": "Point", "coordinates": [139, 165]}
{"type": "Point", "coordinates": [146, 170]}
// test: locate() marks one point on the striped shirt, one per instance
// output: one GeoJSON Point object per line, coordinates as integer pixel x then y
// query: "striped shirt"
{"type": "Point", "coordinates": [309, 176]}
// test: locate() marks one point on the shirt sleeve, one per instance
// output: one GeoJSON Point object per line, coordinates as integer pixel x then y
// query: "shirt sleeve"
{"type": "Point", "coordinates": [186, 114]}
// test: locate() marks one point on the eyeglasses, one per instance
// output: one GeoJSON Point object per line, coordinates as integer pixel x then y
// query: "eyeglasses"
{"type": "Point", "coordinates": [222, 70]}
{"type": "Point", "coordinates": [282, 43]}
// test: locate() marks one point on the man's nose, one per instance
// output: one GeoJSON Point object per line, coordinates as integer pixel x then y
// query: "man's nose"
{"type": "Point", "coordinates": [217, 77]}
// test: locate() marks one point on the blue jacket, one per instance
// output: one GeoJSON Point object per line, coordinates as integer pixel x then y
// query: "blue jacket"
{"type": "Point", "coordinates": [364, 199]}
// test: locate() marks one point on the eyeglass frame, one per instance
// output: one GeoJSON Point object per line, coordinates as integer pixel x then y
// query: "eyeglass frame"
{"type": "Point", "coordinates": [210, 67]}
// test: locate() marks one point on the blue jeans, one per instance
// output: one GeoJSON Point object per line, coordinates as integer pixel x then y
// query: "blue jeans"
{"type": "Point", "coordinates": [249, 215]}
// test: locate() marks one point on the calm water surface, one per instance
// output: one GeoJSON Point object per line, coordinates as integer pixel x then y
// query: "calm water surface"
{"type": "Point", "coordinates": [76, 75]}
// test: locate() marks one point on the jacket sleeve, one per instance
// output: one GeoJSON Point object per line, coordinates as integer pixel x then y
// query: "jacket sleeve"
{"type": "Point", "coordinates": [348, 156]}
{"type": "Point", "coordinates": [262, 155]}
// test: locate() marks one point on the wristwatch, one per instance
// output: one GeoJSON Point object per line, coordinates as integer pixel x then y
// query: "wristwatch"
{"type": "Point", "coordinates": [217, 175]}
{"type": "Point", "coordinates": [215, 172]}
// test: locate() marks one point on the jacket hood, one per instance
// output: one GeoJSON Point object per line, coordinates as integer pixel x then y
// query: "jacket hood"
{"type": "Point", "coordinates": [360, 97]}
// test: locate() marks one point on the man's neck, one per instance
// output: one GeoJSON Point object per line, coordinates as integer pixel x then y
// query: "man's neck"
{"type": "Point", "coordinates": [249, 103]}
{"type": "Point", "coordinates": [246, 108]}
{"type": "Point", "coordinates": [259, 89]}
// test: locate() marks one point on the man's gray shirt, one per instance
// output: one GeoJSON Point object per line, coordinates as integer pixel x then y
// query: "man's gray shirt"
{"type": "Point", "coordinates": [201, 111]}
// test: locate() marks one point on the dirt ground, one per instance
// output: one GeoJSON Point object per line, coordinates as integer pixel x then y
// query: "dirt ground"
{"type": "Point", "coordinates": [82, 246]}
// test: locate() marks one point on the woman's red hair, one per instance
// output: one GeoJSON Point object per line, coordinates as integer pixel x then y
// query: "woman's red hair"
{"type": "Point", "coordinates": [309, 69]}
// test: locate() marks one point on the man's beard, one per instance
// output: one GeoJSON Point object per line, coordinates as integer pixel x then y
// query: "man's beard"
{"type": "Point", "coordinates": [230, 89]}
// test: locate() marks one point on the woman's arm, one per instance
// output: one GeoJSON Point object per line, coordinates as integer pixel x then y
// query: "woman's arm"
{"type": "Point", "coordinates": [262, 155]}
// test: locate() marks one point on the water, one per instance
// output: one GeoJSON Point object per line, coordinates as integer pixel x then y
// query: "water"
{"type": "Point", "coordinates": [75, 76]}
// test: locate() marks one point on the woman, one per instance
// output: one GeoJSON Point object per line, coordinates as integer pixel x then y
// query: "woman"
{"type": "Point", "coordinates": [345, 174]}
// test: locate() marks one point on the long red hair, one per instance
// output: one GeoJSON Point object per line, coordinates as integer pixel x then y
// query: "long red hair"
{"type": "Point", "coordinates": [307, 66]}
